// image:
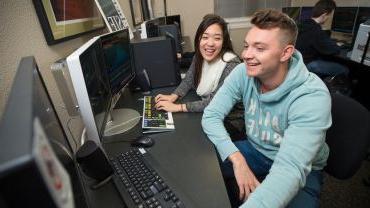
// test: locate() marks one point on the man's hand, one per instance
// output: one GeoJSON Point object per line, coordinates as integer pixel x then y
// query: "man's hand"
{"type": "Point", "coordinates": [247, 181]}
{"type": "Point", "coordinates": [171, 98]}
{"type": "Point", "coordinates": [168, 106]}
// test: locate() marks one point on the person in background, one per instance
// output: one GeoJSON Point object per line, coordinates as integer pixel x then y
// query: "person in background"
{"type": "Point", "coordinates": [314, 43]}
{"type": "Point", "coordinates": [287, 114]}
{"type": "Point", "coordinates": [214, 59]}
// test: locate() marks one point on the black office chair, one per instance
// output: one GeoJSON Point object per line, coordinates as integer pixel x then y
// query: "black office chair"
{"type": "Point", "coordinates": [348, 137]}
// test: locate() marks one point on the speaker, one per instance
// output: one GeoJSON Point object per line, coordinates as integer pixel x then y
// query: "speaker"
{"type": "Point", "coordinates": [157, 56]}
{"type": "Point", "coordinates": [93, 161]}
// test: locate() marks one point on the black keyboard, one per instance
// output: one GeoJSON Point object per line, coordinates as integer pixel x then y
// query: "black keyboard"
{"type": "Point", "coordinates": [135, 178]}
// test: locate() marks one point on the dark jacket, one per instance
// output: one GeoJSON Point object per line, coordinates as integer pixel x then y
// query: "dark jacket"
{"type": "Point", "coordinates": [313, 42]}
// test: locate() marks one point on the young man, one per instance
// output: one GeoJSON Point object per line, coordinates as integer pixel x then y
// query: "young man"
{"type": "Point", "coordinates": [314, 43]}
{"type": "Point", "coordinates": [287, 113]}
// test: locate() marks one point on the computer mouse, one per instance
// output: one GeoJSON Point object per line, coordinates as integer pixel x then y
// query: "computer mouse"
{"type": "Point", "coordinates": [143, 141]}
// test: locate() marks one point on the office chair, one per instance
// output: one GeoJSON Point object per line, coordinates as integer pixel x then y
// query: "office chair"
{"type": "Point", "coordinates": [348, 137]}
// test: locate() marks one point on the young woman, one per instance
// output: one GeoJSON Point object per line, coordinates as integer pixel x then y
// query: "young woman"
{"type": "Point", "coordinates": [214, 59]}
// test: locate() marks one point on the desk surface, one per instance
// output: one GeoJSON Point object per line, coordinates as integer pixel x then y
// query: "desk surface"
{"type": "Point", "coordinates": [185, 155]}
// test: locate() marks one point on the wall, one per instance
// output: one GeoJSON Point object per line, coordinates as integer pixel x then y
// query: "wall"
{"type": "Point", "coordinates": [191, 12]}
{"type": "Point", "coordinates": [237, 37]}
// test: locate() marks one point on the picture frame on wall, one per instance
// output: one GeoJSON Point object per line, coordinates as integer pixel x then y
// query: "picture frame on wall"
{"type": "Point", "coordinates": [63, 20]}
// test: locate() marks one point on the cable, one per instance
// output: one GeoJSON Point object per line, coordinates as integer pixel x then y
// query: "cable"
{"type": "Point", "coordinates": [70, 132]}
{"type": "Point", "coordinates": [61, 146]}
{"type": "Point", "coordinates": [83, 136]}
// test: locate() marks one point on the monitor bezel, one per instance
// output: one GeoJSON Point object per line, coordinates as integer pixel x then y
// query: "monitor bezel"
{"type": "Point", "coordinates": [82, 96]}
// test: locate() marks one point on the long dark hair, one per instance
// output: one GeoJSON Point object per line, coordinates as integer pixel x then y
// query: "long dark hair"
{"type": "Point", "coordinates": [207, 21]}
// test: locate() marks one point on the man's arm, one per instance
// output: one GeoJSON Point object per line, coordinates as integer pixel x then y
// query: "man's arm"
{"type": "Point", "coordinates": [324, 45]}
{"type": "Point", "coordinates": [309, 117]}
{"type": "Point", "coordinates": [228, 94]}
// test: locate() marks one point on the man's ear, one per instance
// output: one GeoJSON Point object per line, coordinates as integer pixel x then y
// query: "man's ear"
{"type": "Point", "coordinates": [287, 53]}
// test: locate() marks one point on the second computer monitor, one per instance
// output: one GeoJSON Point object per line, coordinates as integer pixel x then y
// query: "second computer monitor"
{"type": "Point", "coordinates": [117, 58]}
{"type": "Point", "coordinates": [174, 19]}
{"type": "Point", "coordinates": [116, 50]}
{"type": "Point", "coordinates": [91, 87]}
{"type": "Point", "coordinates": [344, 19]}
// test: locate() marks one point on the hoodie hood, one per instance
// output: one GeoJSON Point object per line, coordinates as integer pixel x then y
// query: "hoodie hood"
{"type": "Point", "coordinates": [297, 74]}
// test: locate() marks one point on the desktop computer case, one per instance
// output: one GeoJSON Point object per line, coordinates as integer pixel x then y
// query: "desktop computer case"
{"type": "Point", "coordinates": [156, 56]}
{"type": "Point", "coordinates": [359, 46]}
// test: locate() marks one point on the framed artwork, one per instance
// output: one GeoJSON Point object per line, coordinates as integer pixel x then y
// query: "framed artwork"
{"type": "Point", "coordinates": [136, 12]}
{"type": "Point", "coordinates": [63, 20]}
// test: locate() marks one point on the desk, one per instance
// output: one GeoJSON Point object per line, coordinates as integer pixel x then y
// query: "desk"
{"type": "Point", "coordinates": [185, 155]}
{"type": "Point", "coordinates": [359, 75]}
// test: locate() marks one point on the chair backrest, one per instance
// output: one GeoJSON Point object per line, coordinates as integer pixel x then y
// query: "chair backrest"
{"type": "Point", "coordinates": [348, 137]}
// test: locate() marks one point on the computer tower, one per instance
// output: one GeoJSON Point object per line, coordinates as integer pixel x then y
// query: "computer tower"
{"type": "Point", "coordinates": [157, 58]}
{"type": "Point", "coordinates": [360, 44]}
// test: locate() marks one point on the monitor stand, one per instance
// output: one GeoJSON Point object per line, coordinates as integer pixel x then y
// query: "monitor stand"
{"type": "Point", "coordinates": [121, 120]}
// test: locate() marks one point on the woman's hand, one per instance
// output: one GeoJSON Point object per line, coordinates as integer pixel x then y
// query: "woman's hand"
{"type": "Point", "coordinates": [168, 106]}
{"type": "Point", "coordinates": [245, 178]}
{"type": "Point", "coordinates": [171, 98]}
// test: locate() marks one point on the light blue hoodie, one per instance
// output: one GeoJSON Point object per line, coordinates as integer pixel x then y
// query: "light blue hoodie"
{"type": "Point", "coordinates": [287, 124]}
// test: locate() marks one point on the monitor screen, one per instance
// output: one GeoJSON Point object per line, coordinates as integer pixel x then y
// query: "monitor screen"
{"type": "Point", "coordinates": [91, 85]}
{"type": "Point", "coordinates": [152, 26]}
{"type": "Point", "coordinates": [116, 51]}
{"type": "Point", "coordinates": [41, 140]}
{"type": "Point", "coordinates": [306, 13]}
{"type": "Point", "coordinates": [344, 19]}
{"type": "Point", "coordinates": [293, 12]}
{"type": "Point", "coordinates": [174, 19]}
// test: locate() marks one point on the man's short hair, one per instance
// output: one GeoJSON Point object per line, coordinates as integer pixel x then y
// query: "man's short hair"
{"type": "Point", "coordinates": [323, 6]}
{"type": "Point", "coordinates": [269, 19]}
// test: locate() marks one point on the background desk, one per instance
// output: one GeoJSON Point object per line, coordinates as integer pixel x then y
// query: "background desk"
{"type": "Point", "coordinates": [185, 155]}
{"type": "Point", "coordinates": [359, 75]}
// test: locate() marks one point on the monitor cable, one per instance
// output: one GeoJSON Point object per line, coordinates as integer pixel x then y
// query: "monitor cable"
{"type": "Point", "coordinates": [71, 133]}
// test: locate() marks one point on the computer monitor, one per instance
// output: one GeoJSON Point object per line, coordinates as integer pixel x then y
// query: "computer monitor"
{"type": "Point", "coordinates": [362, 15]}
{"type": "Point", "coordinates": [292, 12]}
{"type": "Point", "coordinates": [344, 19]}
{"type": "Point", "coordinates": [149, 28]}
{"type": "Point", "coordinates": [174, 19]}
{"type": "Point", "coordinates": [91, 87]}
{"type": "Point", "coordinates": [36, 160]}
{"type": "Point", "coordinates": [118, 66]}
{"type": "Point", "coordinates": [306, 13]}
